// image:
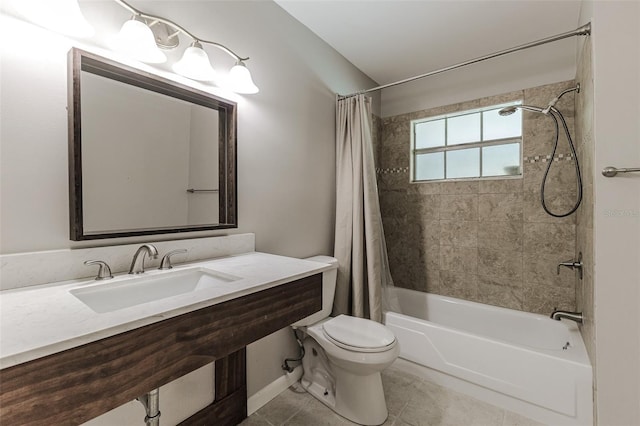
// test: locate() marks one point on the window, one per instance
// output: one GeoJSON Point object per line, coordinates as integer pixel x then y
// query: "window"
{"type": "Point", "coordinates": [467, 145]}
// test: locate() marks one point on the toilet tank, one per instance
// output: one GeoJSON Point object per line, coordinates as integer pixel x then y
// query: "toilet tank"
{"type": "Point", "coordinates": [328, 291]}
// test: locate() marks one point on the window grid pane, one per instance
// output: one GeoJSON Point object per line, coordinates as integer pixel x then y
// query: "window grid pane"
{"type": "Point", "coordinates": [501, 160]}
{"type": "Point", "coordinates": [463, 163]}
{"type": "Point", "coordinates": [445, 157]}
{"type": "Point", "coordinates": [429, 166]}
{"type": "Point", "coordinates": [463, 129]}
{"type": "Point", "coordinates": [430, 134]}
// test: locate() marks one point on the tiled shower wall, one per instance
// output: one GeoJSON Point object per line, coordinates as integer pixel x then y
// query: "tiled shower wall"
{"type": "Point", "coordinates": [483, 240]}
{"type": "Point", "coordinates": [584, 217]}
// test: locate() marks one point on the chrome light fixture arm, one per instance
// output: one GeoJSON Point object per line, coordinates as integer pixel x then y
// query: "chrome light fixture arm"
{"type": "Point", "coordinates": [179, 29]}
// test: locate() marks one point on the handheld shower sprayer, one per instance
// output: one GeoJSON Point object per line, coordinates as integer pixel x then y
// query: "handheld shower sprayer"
{"type": "Point", "coordinates": [511, 109]}
{"type": "Point", "coordinates": [552, 111]}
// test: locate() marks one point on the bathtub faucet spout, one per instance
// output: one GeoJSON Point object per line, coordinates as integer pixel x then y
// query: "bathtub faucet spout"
{"type": "Point", "coordinates": [573, 316]}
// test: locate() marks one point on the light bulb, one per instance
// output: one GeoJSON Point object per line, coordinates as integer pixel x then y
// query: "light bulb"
{"type": "Point", "coordinates": [240, 80]}
{"type": "Point", "coordinates": [136, 39]}
{"type": "Point", "coordinates": [195, 64]}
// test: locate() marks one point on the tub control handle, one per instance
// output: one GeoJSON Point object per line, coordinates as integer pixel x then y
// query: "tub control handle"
{"type": "Point", "coordinates": [573, 264]}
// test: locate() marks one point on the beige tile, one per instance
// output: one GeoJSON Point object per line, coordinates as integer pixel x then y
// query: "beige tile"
{"type": "Point", "coordinates": [459, 233]}
{"type": "Point", "coordinates": [542, 95]}
{"type": "Point", "coordinates": [532, 176]}
{"type": "Point", "coordinates": [430, 283]}
{"type": "Point", "coordinates": [502, 98]}
{"type": "Point", "coordinates": [459, 187]}
{"type": "Point", "coordinates": [584, 244]}
{"type": "Point", "coordinates": [437, 406]}
{"type": "Point", "coordinates": [316, 414]}
{"type": "Point", "coordinates": [464, 259]}
{"type": "Point", "coordinates": [431, 256]}
{"type": "Point", "coordinates": [551, 239]}
{"type": "Point", "coordinates": [426, 188]}
{"type": "Point", "coordinates": [393, 203]}
{"type": "Point", "coordinates": [285, 405]}
{"type": "Point", "coordinates": [557, 203]}
{"type": "Point", "coordinates": [424, 206]}
{"type": "Point", "coordinates": [458, 284]}
{"type": "Point", "coordinates": [393, 181]}
{"type": "Point", "coordinates": [395, 119]}
{"type": "Point", "coordinates": [561, 176]}
{"type": "Point", "coordinates": [399, 389]}
{"type": "Point", "coordinates": [500, 186]}
{"type": "Point", "coordinates": [411, 274]}
{"type": "Point", "coordinates": [420, 280]}
{"type": "Point", "coordinates": [543, 269]}
{"type": "Point", "coordinates": [492, 292]}
{"type": "Point", "coordinates": [394, 151]}
{"type": "Point", "coordinates": [501, 235]}
{"type": "Point", "coordinates": [255, 420]}
{"type": "Point", "coordinates": [459, 207]}
{"type": "Point", "coordinates": [500, 207]}
{"type": "Point", "coordinates": [542, 299]}
{"type": "Point", "coordinates": [430, 232]}
{"type": "Point", "coordinates": [504, 266]}
{"type": "Point", "coordinates": [538, 134]}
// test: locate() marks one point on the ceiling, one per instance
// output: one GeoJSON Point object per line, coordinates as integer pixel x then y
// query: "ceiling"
{"type": "Point", "coordinates": [390, 40]}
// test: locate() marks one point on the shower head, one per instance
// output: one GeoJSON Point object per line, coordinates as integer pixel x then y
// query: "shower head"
{"type": "Point", "coordinates": [508, 110]}
{"type": "Point", "coordinates": [513, 108]}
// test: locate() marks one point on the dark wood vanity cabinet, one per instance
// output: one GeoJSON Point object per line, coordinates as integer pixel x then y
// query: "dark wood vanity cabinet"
{"type": "Point", "coordinates": [78, 384]}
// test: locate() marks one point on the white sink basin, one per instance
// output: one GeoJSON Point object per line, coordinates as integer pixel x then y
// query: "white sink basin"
{"type": "Point", "coordinates": [110, 296]}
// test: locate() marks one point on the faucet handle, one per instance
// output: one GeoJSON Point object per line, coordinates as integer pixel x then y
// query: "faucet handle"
{"type": "Point", "coordinates": [104, 272]}
{"type": "Point", "coordinates": [166, 259]}
{"type": "Point", "coordinates": [573, 264]}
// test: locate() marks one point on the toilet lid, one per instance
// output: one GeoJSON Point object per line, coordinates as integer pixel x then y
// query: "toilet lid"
{"type": "Point", "coordinates": [358, 332]}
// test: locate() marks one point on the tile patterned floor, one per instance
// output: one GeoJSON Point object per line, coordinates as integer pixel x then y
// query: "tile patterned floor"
{"type": "Point", "coordinates": [411, 401]}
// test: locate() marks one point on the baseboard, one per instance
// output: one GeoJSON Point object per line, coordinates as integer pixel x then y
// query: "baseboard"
{"type": "Point", "coordinates": [273, 389]}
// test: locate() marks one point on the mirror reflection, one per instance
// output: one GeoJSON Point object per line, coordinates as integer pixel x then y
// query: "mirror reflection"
{"type": "Point", "coordinates": [150, 156]}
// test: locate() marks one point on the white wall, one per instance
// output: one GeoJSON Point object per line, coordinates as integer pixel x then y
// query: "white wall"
{"type": "Point", "coordinates": [616, 68]}
{"type": "Point", "coordinates": [483, 79]}
{"type": "Point", "coordinates": [286, 154]}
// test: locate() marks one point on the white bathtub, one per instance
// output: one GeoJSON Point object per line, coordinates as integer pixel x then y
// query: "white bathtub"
{"type": "Point", "coordinates": [523, 362]}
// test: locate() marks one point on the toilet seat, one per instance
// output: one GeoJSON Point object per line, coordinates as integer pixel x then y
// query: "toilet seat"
{"type": "Point", "coordinates": [358, 334]}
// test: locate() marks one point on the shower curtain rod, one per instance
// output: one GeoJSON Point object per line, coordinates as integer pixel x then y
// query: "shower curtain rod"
{"type": "Point", "coordinates": [584, 30]}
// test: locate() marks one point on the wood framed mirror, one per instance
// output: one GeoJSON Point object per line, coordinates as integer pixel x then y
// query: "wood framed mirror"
{"type": "Point", "coordinates": [147, 155]}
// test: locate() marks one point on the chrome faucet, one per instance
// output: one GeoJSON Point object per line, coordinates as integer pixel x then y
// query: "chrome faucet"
{"type": "Point", "coordinates": [573, 316]}
{"type": "Point", "coordinates": [166, 260]}
{"type": "Point", "coordinates": [104, 273]}
{"type": "Point", "coordinates": [149, 249]}
{"type": "Point", "coordinates": [573, 264]}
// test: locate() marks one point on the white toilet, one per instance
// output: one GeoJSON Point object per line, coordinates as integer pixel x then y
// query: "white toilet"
{"type": "Point", "coordinates": [344, 357]}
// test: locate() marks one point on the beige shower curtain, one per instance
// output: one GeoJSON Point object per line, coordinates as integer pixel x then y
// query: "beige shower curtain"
{"type": "Point", "coordinates": [363, 272]}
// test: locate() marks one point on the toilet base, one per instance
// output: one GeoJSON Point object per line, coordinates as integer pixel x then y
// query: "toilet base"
{"type": "Point", "coordinates": [359, 398]}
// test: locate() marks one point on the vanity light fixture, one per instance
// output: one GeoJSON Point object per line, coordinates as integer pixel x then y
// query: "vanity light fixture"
{"type": "Point", "coordinates": [137, 40]}
{"type": "Point", "coordinates": [195, 62]}
{"type": "Point", "coordinates": [62, 16]}
{"type": "Point", "coordinates": [240, 80]}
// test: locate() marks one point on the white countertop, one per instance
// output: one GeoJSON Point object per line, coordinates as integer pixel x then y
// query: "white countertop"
{"type": "Point", "coordinates": [42, 320]}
